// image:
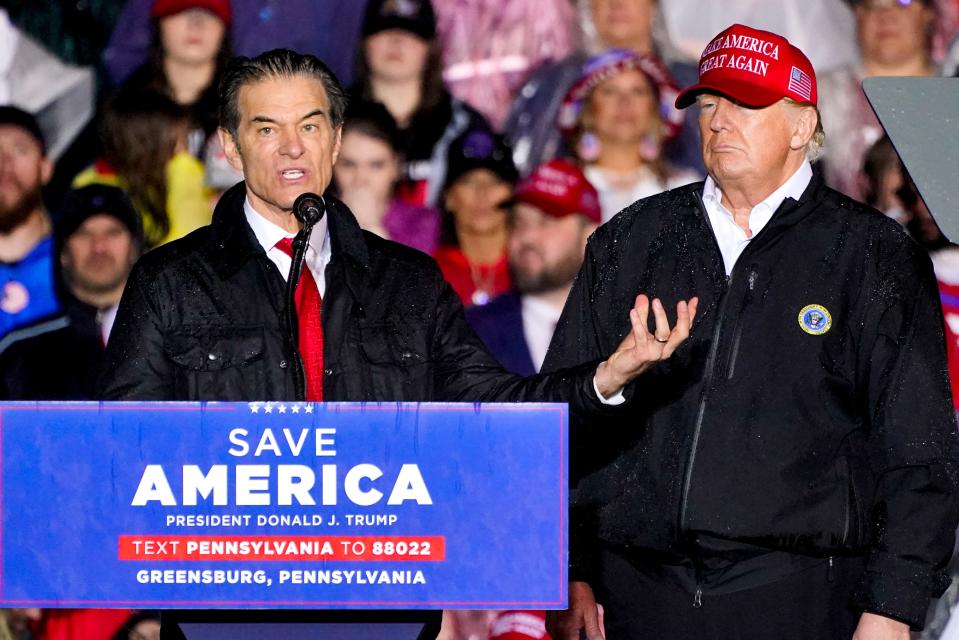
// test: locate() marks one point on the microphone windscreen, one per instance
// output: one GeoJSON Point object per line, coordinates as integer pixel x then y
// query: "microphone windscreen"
{"type": "Point", "coordinates": [309, 208]}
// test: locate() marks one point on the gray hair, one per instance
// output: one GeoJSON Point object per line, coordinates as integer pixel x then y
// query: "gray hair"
{"type": "Point", "coordinates": [817, 143]}
{"type": "Point", "coordinates": [278, 63]}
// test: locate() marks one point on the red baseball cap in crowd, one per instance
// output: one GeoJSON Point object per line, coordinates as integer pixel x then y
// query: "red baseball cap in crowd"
{"type": "Point", "coordinates": [164, 8]}
{"type": "Point", "coordinates": [559, 188]}
{"type": "Point", "coordinates": [754, 67]}
{"type": "Point", "coordinates": [519, 625]}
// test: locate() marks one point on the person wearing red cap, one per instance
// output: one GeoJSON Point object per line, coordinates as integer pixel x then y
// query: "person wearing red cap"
{"type": "Point", "coordinates": [155, 127]}
{"type": "Point", "coordinates": [189, 47]}
{"type": "Point", "coordinates": [553, 211]}
{"type": "Point", "coordinates": [771, 479]}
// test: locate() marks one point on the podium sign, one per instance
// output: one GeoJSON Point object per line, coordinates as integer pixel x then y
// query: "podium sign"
{"type": "Point", "coordinates": [283, 505]}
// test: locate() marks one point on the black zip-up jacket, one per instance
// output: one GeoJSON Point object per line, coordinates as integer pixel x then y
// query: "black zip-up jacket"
{"type": "Point", "coordinates": [202, 318]}
{"type": "Point", "coordinates": [759, 435]}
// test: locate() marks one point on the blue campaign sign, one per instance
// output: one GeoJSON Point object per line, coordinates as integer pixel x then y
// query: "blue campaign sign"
{"type": "Point", "coordinates": [283, 505]}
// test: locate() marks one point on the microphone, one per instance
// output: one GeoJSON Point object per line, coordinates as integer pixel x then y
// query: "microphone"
{"type": "Point", "coordinates": [309, 209]}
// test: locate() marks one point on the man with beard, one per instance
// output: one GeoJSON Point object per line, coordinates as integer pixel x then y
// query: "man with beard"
{"type": "Point", "coordinates": [26, 248]}
{"type": "Point", "coordinates": [554, 211]}
{"type": "Point", "coordinates": [98, 237]}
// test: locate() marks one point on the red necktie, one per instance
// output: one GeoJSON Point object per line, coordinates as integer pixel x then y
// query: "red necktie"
{"type": "Point", "coordinates": [308, 303]}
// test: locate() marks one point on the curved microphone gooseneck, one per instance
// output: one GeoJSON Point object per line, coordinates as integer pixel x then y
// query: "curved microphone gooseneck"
{"type": "Point", "coordinates": [308, 209]}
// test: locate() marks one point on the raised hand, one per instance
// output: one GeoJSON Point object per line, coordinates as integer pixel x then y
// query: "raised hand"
{"type": "Point", "coordinates": [641, 349]}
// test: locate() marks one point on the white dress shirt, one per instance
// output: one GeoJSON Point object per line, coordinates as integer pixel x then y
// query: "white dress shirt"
{"type": "Point", "coordinates": [268, 234]}
{"type": "Point", "coordinates": [539, 324]}
{"type": "Point", "coordinates": [730, 237]}
{"type": "Point", "coordinates": [105, 319]}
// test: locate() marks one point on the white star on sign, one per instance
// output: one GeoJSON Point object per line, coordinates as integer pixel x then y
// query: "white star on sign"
{"type": "Point", "coordinates": [268, 408]}
{"type": "Point", "coordinates": [295, 408]}
{"type": "Point", "coordinates": [254, 407]}
{"type": "Point", "coordinates": [282, 408]}
{"type": "Point", "coordinates": [308, 408]}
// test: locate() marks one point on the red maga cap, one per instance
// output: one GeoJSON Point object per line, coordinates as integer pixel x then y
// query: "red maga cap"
{"type": "Point", "coordinates": [559, 189]}
{"type": "Point", "coordinates": [754, 67]}
{"type": "Point", "coordinates": [163, 8]}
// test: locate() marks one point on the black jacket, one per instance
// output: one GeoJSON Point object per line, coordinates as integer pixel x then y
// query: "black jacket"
{"type": "Point", "coordinates": [58, 358]}
{"type": "Point", "coordinates": [758, 436]}
{"type": "Point", "coordinates": [202, 318]}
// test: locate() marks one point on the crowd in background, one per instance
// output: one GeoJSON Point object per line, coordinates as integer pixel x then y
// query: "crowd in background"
{"type": "Point", "coordinates": [494, 135]}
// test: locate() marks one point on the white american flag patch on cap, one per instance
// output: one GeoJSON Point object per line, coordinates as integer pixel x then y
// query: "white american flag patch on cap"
{"type": "Point", "coordinates": [800, 83]}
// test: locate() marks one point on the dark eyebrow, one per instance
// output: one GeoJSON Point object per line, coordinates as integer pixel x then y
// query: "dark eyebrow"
{"type": "Point", "coordinates": [311, 114]}
{"type": "Point", "coordinates": [315, 112]}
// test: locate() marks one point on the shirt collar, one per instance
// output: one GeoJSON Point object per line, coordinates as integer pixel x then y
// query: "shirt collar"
{"type": "Point", "coordinates": [268, 234]}
{"type": "Point", "coordinates": [791, 188]}
{"type": "Point", "coordinates": [541, 308]}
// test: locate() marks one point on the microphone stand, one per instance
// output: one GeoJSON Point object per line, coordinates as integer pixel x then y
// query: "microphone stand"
{"type": "Point", "coordinates": [300, 242]}
{"type": "Point", "coordinates": [307, 211]}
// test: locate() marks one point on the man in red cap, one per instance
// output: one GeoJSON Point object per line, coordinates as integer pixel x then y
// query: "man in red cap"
{"type": "Point", "coordinates": [554, 210]}
{"type": "Point", "coordinates": [771, 480]}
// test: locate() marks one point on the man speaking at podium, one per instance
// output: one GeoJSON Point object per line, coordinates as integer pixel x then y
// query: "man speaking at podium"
{"type": "Point", "coordinates": [204, 317]}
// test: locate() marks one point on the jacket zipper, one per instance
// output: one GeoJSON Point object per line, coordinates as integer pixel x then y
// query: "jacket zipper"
{"type": "Point", "coordinates": [738, 331]}
{"type": "Point", "coordinates": [707, 383]}
{"type": "Point", "coordinates": [851, 503]}
{"type": "Point", "coordinates": [698, 595]}
{"type": "Point", "coordinates": [847, 514]}
{"type": "Point", "coordinates": [710, 368]}
{"type": "Point", "coordinates": [713, 349]}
